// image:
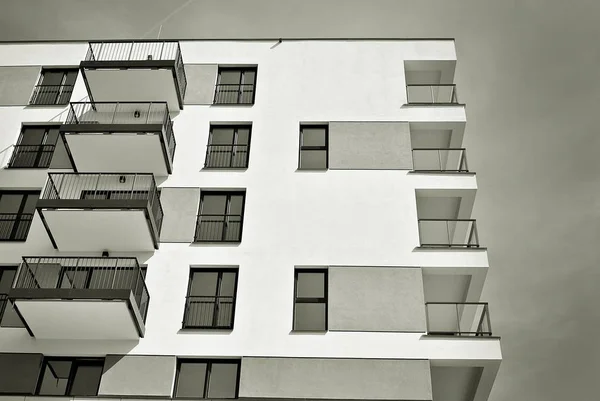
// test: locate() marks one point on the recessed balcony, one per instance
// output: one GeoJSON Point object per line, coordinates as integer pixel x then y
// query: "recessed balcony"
{"type": "Point", "coordinates": [96, 212]}
{"type": "Point", "coordinates": [455, 233]}
{"type": "Point", "coordinates": [120, 136]}
{"type": "Point", "coordinates": [463, 319]}
{"type": "Point", "coordinates": [135, 70]}
{"type": "Point", "coordinates": [440, 160]}
{"type": "Point", "coordinates": [81, 297]}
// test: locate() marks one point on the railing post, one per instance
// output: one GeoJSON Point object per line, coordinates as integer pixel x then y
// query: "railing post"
{"type": "Point", "coordinates": [74, 113]}
{"type": "Point", "coordinates": [439, 151]}
{"type": "Point", "coordinates": [448, 232]}
{"type": "Point", "coordinates": [432, 96]}
{"type": "Point", "coordinates": [457, 319]}
{"type": "Point", "coordinates": [487, 316]}
{"type": "Point", "coordinates": [97, 181]}
{"type": "Point", "coordinates": [130, 51]}
{"type": "Point", "coordinates": [133, 184]}
{"type": "Point", "coordinates": [112, 286]}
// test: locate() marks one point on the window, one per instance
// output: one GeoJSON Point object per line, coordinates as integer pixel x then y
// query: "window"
{"type": "Point", "coordinates": [310, 300]}
{"type": "Point", "coordinates": [235, 85]}
{"type": "Point", "coordinates": [35, 147]}
{"type": "Point", "coordinates": [221, 217]}
{"type": "Point", "coordinates": [8, 316]}
{"type": "Point", "coordinates": [216, 379]}
{"type": "Point", "coordinates": [54, 87]}
{"type": "Point", "coordinates": [210, 302]}
{"type": "Point", "coordinates": [70, 376]}
{"type": "Point", "coordinates": [16, 213]}
{"type": "Point", "coordinates": [314, 143]}
{"type": "Point", "coordinates": [228, 146]}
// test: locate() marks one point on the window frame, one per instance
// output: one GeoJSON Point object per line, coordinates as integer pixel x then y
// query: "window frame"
{"type": "Point", "coordinates": [75, 363]}
{"type": "Point", "coordinates": [242, 69]}
{"type": "Point", "coordinates": [324, 299]}
{"type": "Point", "coordinates": [209, 363]}
{"type": "Point", "coordinates": [228, 194]}
{"type": "Point", "coordinates": [20, 212]}
{"type": "Point", "coordinates": [219, 271]}
{"type": "Point", "coordinates": [41, 147]}
{"type": "Point", "coordinates": [40, 82]}
{"type": "Point", "coordinates": [302, 147]}
{"type": "Point", "coordinates": [235, 128]}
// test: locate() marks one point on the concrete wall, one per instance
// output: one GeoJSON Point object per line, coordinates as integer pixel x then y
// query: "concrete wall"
{"type": "Point", "coordinates": [376, 299]}
{"type": "Point", "coordinates": [138, 375]}
{"type": "Point", "coordinates": [369, 145]}
{"type": "Point", "coordinates": [180, 206]}
{"type": "Point", "coordinates": [16, 84]}
{"type": "Point", "coordinates": [19, 373]}
{"type": "Point", "coordinates": [343, 379]}
{"type": "Point", "coordinates": [201, 80]}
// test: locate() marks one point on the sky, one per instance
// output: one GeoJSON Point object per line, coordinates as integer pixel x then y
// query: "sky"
{"type": "Point", "coordinates": [529, 72]}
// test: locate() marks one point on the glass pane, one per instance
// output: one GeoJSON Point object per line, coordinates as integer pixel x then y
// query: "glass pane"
{"type": "Point", "coordinates": [74, 278]}
{"type": "Point", "coordinates": [313, 159]}
{"type": "Point", "coordinates": [229, 77]}
{"type": "Point", "coordinates": [10, 317]}
{"type": "Point", "coordinates": [236, 203]}
{"type": "Point", "coordinates": [213, 204]}
{"type": "Point", "coordinates": [190, 382]}
{"type": "Point", "coordinates": [7, 277]}
{"type": "Point", "coordinates": [55, 378]}
{"type": "Point", "coordinates": [249, 77]}
{"type": "Point", "coordinates": [310, 317]}
{"type": "Point", "coordinates": [243, 137]}
{"type": "Point", "coordinates": [52, 77]}
{"type": "Point", "coordinates": [32, 135]}
{"type": "Point", "coordinates": [313, 136]}
{"type": "Point", "coordinates": [204, 284]}
{"type": "Point", "coordinates": [30, 203]}
{"type": "Point", "coordinates": [310, 285]}
{"type": "Point", "coordinates": [86, 380]}
{"type": "Point", "coordinates": [228, 284]}
{"type": "Point", "coordinates": [223, 380]}
{"type": "Point", "coordinates": [10, 203]}
{"type": "Point", "coordinates": [222, 136]}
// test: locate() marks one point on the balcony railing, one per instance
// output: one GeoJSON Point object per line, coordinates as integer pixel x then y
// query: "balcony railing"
{"type": "Point", "coordinates": [234, 94]}
{"type": "Point", "coordinates": [15, 226]}
{"type": "Point", "coordinates": [458, 319]}
{"type": "Point", "coordinates": [105, 187]}
{"type": "Point", "coordinates": [431, 94]}
{"type": "Point", "coordinates": [31, 156]}
{"type": "Point", "coordinates": [85, 273]}
{"type": "Point", "coordinates": [457, 233]}
{"type": "Point", "coordinates": [124, 113]}
{"type": "Point", "coordinates": [440, 160]}
{"type": "Point", "coordinates": [141, 51]}
{"type": "Point", "coordinates": [209, 312]}
{"type": "Point", "coordinates": [226, 156]}
{"type": "Point", "coordinates": [49, 95]}
{"type": "Point", "coordinates": [219, 228]}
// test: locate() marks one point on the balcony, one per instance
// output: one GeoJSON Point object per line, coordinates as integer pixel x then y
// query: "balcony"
{"type": "Point", "coordinates": [425, 94]}
{"type": "Point", "coordinates": [463, 319]}
{"type": "Point", "coordinates": [135, 70]}
{"type": "Point", "coordinates": [122, 136]}
{"type": "Point", "coordinates": [95, 212]}
{"type": "Point", "coordinates": [456, 233]}
{"type": "Point", "coordinates": [448, 160]}
{"type": "Point", "coordinates": [81, 297]}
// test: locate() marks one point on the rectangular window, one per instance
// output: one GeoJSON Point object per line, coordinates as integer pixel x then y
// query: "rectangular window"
{"type": "Point", "coordinates": [8, 316]}
{"type": "Point", "coordinates": [70, 376]}
{"type": "Point", "coordinates": [35, 147]}
{"type": "Point", "coordinates": [235, 85]}
{"type": "Point", "coordinates": [54, 86]}
{"type": "Point", "coordinates": [310, 300]}
{"type": "Point", "coordinates": [221, 216]}
{"type": "Point", "coordinates": [16, 213]}
{"type": "Point", "coordinates": [210, 302]}
{"type": "Point", "coordinates": [314, 144]}
{"type": "Point", "coordinates": [205, 378]}
{"type": "Point", "coordinates": [228, 146]}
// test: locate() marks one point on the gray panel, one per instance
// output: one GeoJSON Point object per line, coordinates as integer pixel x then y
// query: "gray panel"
{"type": "Point", "coordinates": [138, 376]}
{"type": "Point", "coordinates": [376, 299]}
{"type": "Point", "coordinates": [180, 206]}
{"type": "Point", "coordinates": [369, 145]}
{"type": "Point", "coordinates": [19, 373]}
{"type": "Point", "coordinates": [201, 80]}
{"type": "Point", "coordinates": [16, 84]}
{"type": "Point", "coordinates": [341, 379]}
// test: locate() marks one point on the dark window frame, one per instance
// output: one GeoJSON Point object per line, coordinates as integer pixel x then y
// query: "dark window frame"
{"type": "Point", "coordinates": [234, 143]}
{"type": "Point", "coordinates": [242, 70]}
{"type": "Point", "coordinates": [209, 363]}
{"type": "Point", "coordinates": [228, 194]}
{"type": "Point", "coordinates": [19, 214]}
{"type": "Point", "coordinates": [60, 99]}
{"type": "Point", "coordinates": [75, 363]}
{"type": "Point", "coordinates": [324, 299]}
{"type": "Point", "coordinates": [219, 271]}
{"type": "Point", "coordinates": [302, 147]}
{"type": "Point", "coordinates": [42, 148]}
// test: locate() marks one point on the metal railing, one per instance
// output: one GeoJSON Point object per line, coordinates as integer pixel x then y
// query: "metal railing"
{"type": "Point", "coordinates": [234, 94]}
{"type": "Point", "coordinates": [31, 156]}
{"type": "Point", "coordinates": [107, 273]}
{"type": "Point", "coordinates": [105, 187]}
{"type": "Point", "coordinates": [218, 228]}
{"type": "Point", "coordinates": [48, 95]}
{"type": "Point", "coordinates": [226, 156]}
{"type": "Point", "coordinates": [208, 312]}
{"type": "Point", "coordinates": [458, 319]}
{"type": "Point", "coordinates": [140, 51]}
{"type": "Point", "coordinates": [440, 160]}
{"type": "Point", "coordinates": [3, 304]}
{"type": "Point", "coordinates": [15, 226]}
{"type": "Point", "coordinates": [431, 94]}
{"type": "Point", "coordinates": [456, 233]}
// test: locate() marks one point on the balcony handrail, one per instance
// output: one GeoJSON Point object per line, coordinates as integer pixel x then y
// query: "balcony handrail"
{"type": "Point", "coordinates": [434, 85]}
{"type": "Point", "coordinates": [481, 316]}
{"type": "Point", "coordinates": [113, 50]}
{"type": "Point", "coordinates": [225, 220]}
{"type": "Point", "coordinates": [31, 162]}
{"type": "Point", "coordinates": [433, 98]}
{"type": "Point", "coordinates": [471, 235]}
{"type": "Point", "coordinates": [438, 149]}
{"type": "Point", "coordinates": [93, 112]}
{"type": "Point", "coordinates": [225, 93]}
{"type": "Point", "coordinates": [472, 220]}
{"type": "Point", "coordinates": [44, 94]}
{"type": "Point", "coordinates": [211, 160]}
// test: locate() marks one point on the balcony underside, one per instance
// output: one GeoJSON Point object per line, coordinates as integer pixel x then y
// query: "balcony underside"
{"type": "Point", "coordinates": [92, 229]}
{"type": "Point", "coordinates": [127, 81]}
{"type": "Point", "coordinates": [82, 314]}
{"type": "Point", "coordinates": [143, 151]}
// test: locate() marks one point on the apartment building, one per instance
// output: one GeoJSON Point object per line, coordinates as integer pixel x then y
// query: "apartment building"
{"type": "Point", "coordinates": [269, 219]}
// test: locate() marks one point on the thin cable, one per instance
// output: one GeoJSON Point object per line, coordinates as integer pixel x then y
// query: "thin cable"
{"type": "Point", "coordinates": [159, 23]}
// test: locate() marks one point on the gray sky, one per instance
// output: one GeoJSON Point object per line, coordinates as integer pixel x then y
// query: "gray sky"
{"type": "Point", "coordinates": [529, 72]}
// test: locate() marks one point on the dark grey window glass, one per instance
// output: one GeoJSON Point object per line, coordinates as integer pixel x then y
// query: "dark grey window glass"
{"type": "Point", "coordinates": [16, 213]}
{"type": "Point", "coordinates": [228, 147]}
{"type": "Point", "coordinates": [235, 85]}
{"type": "Point", "coordinates": [210, 302]}
{"type": "Point", "coordinates": [216, 379]}
{"type": "Point", "coordinates": [314, 145]}
{"type": "Point", "coordinates": [54, 86]}
{"type": "Point", "coordinates": [221, 217]}
{"type": "Point", "coordinates": [70, 376]}
{"type": "Point", "coordinates": [35, 147]}
{"type": "Point", "coordinates": [8, 315]}
{"type": "Point", "coordinates": [310, 300]}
